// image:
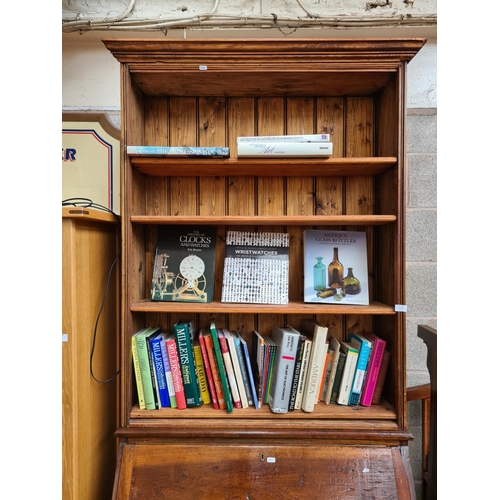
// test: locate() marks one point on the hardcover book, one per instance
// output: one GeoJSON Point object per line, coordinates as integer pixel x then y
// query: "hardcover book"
{"type": "Point", "coordinates": [173, 357]}
{"type": "Point", "coordinates": [296, 371]}
{"type": "Point", "coordinates": [264, 149]}
{"type": "Point", "coordinates": [338, 377]}
{"type": "Point", "coordinates": [209, 344]}
{"type": "Point", "coordinates": [161, 379]}
{"type": "Point", "coordinates": [285, 138]}
{"type": "Point", "coordinates": [373, 367]}
{"type": "Point", "coordinates": [184, 264]}
{"type": "Point", "coordinates": [317, 333]}
{"type": "Point", "coordinates": [137, 370]}
{"type": "Point", "coordinates": [347, 379]}
{"type": "Point", "coordinates": [335, 347]}
{"type": "Point", "coordinates": [144, 361]}
{"type": "Point", "coordinates": [236, 367]}
{"type": "Point", "coordinates": [221, 367]}
{"type": "Point", "coordinates": [187, 364]}
{"type": "Point", "coordinates": [168, 373]}
{"type": "Point", "coordinates": [256, 268]}
{"type": "Point", "coordinates": [208, 370]}
{"type": "Point", "coordinates": [228, 364]}
{"type": "Point", "coordinates": [178, 151]}
{"type": "Point", "coordinates": [303, 372]}
{"type": "Point", "coordinates": [149, 336]}
{"type": "Point", "coordinates": [379, 386]}
{"type": "Point", "coordinates": [251, 377]}
{"type": "Point", "coordinates": [335, 267]}
{"type": "Point", "coordinates": [269, 366]}
{"type": "Point", "coordinates": [202, 377]}
{"type": "Point", "coordinates": [365, 347]}
{"type": "Point", "coordinates": [258, 360]}
{"type": "Point", "coordinates": [286, 341]}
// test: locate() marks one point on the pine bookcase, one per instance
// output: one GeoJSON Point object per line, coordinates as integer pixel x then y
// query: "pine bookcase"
{"type": "Point", "coordinates": [207, 93]}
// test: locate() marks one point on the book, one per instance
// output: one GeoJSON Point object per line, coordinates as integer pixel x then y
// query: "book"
{"type": "Point", "coordinates": [161, 379]}
{"type": "Point", "coordinates": [221, 368]}
{"type": "Point", "coordinates": [178, 151]}
{"type": "Point", "coordinates": [149, 336]}
{"type": "Point", "coordinates": [338, 377]}
{"type": "Point", "coordinates": [184, 264]}
{"type": "Point", "coordinates": [296, 372]}
{"type": "Point", "coordinates": [330, 354]}
{"type": "Point", "coordinates": [257, 362]}
{"type": "Point", "coordinates": [237, 366]}
{"type": "Point", "coordinates": [335, 347]}
{"type": "Point", "coordinates": [270, 352]}
{"type": "Point", "coordinates": [256, 267]}
{"type": "Point", "coordinates": [187, 364]}
{"type": "Point", "coordinates": [285, 138]}
{"type": "Point", "coordinates": [303, 372]}
{"type": "Point", "coordinates": [285, 149]}
{"type": "Point", "coordinates": [202, 377]}
{"type": "Point", "coordinates": [374, 365]}
{"type": "Point", "coordinates": [209, 343]}
{"type": "Point", "coordinates": [137, 370]}
{"type": "Point", "coordinates": [175, 367]}
{"type": "Point", "coordinates": [286, 341]}
{"type": "Point", "coordinates": [228, 364]}
{"type": "Point", "coordinates": [208, 370]}
{"type": "Point", "coordinates": [335, 267]}
{"type": "Point", "coordinates": [364, 346]}
{"type": "Point", "coordinates": [347, 379]}
{"type": "Point", "coordinates": [379, 386]}
{"type": "Point", "coordinates": [168, 373]}
{"type": "Point", "coordinates": [144, 361]}
{"type": "Point", "coordinates": [318, 334]}
{"type": "Point", "coordinates": [248, 362]}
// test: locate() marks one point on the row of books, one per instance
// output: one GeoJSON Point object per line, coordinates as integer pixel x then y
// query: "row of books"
{"type": "Point", "coordinates": [287, 370]}
{"type": "Point", "coordinates": [284, 146]}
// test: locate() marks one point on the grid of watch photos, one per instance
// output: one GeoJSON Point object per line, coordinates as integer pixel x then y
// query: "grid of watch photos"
{"type": "Point", "coordinates": [256, 268]}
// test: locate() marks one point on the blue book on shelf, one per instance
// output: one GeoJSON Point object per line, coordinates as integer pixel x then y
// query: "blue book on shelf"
{"type": "Point", "coordinates": [155, 344]}
{"type": "Point", "coordinates": [178, 151]}
{"type": "Point", "coordinates": [365, 346]}
{"type": "Point", "coordinates": [248, 363]}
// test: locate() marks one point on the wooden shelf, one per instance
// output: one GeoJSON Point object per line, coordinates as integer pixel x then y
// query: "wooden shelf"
{"type": "Point", "coordinates": [286, 167]}
{"type": "Point", "coordinates": [268, 220]}
{"type": "Point", "coordinates": [148, 306]}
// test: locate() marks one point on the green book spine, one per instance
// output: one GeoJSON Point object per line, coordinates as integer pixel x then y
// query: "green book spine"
{"type": "Point", "coordinates": [187, 364]}
{"type": "Point", "coordinates": [222, 370]}
{"type": "Point", "coordinates": [142, 350]}
{"type": "Point", "coordinates": [338, 377]}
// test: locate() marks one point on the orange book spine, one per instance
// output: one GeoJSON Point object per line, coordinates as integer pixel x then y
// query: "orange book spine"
{"type": "Point", "coordinates": [215, 370]}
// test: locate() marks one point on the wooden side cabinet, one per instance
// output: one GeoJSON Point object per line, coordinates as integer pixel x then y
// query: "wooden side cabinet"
{"type": "Point", "coordinates": [90, 244]}
{"type": "Point", "coordinates": [207, 93]}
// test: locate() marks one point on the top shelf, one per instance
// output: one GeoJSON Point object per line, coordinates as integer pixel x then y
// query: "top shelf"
{"type": "Point", "coordinates": [284, 167]}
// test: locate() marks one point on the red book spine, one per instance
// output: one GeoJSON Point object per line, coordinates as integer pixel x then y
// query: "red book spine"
{"type": "Point", "coordinates": [208, 370]}
{"type": "Point", "coordinates": [176, 373]}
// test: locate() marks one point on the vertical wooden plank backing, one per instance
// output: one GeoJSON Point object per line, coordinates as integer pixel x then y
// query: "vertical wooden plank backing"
{"type": "Point", "coordinates": [359, 197]}
{"type": "Point", "coordinates": [329, 190]}
{"type": "Point", "coordinates": [240, 195]}
{"type": "Point", "coordinates": [212, 190]}
{"type": "Point", "coordinates": [271, 190]}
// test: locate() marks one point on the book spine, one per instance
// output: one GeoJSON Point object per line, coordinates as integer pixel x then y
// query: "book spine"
{"type": "Point", "coordinates": [335, 346]}
{"type": "Point", "coordinates": [209, 343]}
{"type": "Point", "coordinates": [285, 138]}
{"type": "Point", "coordinates": [251, 377]}
{"type": "Point", "coordinates": [338, 377]}
{"type": "Point", "coordinates": [160, 371]}
{"type": "Point", "coordinates": [138, 376]}
{"type": "Point", "coordinates": [284, 149]}
{"type": "Point", "coordinates": [244, 372]}
{"type": "Point", "coordinates": [364, 348]}
{"type": "Point", "coordinates": [236, 368]}
{"type": "Point", "coordinates": [231, 377]}
{"type": "Point", "coordinates": [296, 374]}
{"type": "Point", "coordinates": [328, 374]}
{"type": "Point", "coordinates": [182, 151]}
{"type": "Point", "coordinates": [222, 370]}
{"type": "Point", "coordinates": [373, 371]}
{"type": "Point", "coordinates": [173, 357]}
{"type": "Point", "coordinates": [323, 374]}
{"type": "Point", "coordinates": [152, 369]}
{"type": "Point", "coordinates": [303, 373]}
{"type": "Point", "coordinates": [272, 362]}
{"type": "Point", "coordinates": [145, 372]}
{"type": "Point", "coordinates": [208, 371]}
{"type": "Point", "coordinates": [202, 378]}
{"type": "Point", "coordinates": [168, 374]}
{"type": "Point", "coordinates": [377, 394]}
{"type": "Point", "coordinates": [347, 376]}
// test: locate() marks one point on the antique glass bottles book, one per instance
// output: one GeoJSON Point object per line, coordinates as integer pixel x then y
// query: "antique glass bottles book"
{"type": "Point", "coordinates": [343, 250]}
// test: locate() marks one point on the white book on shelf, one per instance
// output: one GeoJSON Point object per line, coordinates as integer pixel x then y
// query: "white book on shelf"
{"type": "Point", "coordinates": [284, 149]}
{"type": "Point", "coordinates": [285, 138]}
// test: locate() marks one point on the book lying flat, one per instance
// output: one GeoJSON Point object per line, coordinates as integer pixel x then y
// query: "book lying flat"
{"type": "Point", "coordinates": [178, 151]}
{"type": "Point", "coordinates": [284, 149]}
{"type": "Point", "coordinates": [286, 138]}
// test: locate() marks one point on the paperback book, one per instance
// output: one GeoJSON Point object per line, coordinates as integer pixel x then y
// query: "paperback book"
{"type": "Point", "coordinates": [178, 151]}
{"type": "Point", "coordinates": [285, 138]}
{"type": "Point", "coordinates": [335, 267]}
{"type": "Point", "coordinates": [256, 268]}
{"type": "Point", "coordinates": [263, 149]}
{"type": "Point", "coordinates": [184, 264]}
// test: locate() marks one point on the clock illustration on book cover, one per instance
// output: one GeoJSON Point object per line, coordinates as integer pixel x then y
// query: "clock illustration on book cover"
{"type": "Point", "coordinates": [190, 283]}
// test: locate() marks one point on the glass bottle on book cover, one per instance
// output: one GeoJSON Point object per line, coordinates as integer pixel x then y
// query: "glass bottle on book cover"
{"type": "Point", "coordinates": [319, 274]}
{"type": "Point", "coordinates": [336, 271]}
{"type": "Point", "coordinates": [352, 286]}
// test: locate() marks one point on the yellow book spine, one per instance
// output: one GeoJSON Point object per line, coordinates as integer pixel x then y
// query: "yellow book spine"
{"type": "Point", "coordinates": [138, 376]}
{"type": "Point", "coordinates": [202, 377]}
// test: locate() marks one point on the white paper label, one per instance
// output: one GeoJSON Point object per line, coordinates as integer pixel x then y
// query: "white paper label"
{"type": "Point", "coordinates": [400, 308]}
{"type": "Point", "coordinates": [202, 68]}
{"type": "Point", "coordinates": [64, 337]}
{"type": "Point", "coordinates": [271, 460]}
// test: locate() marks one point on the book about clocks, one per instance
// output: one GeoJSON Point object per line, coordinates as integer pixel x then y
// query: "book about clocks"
{"type": "Point", "coordinates": [184, 264]}
{"type": "Point", "coordinates": [335, 267]}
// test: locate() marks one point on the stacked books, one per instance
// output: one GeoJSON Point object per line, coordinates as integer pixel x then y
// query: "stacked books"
{"type": "Point", "coordinates": [288, 370]}
{"type": "Point", "coordinates": [285, 146]}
